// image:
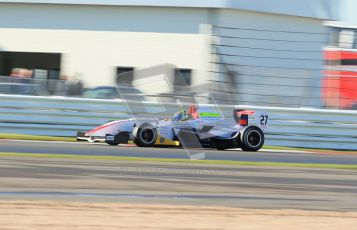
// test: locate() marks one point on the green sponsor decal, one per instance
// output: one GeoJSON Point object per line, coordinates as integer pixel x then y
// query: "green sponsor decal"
{"type": "Point", "coordinates": [208, 114]}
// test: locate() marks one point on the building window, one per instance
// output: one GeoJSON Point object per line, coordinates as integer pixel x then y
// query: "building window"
{"type": "Point", "coordinates": [124, 75]}
{"type": "Point", "coordinates": [347, 38]}
{"type": "Point", "coordinates": [355, 39]}
{"type": "Point", "coordinates": [42, 65]}
{"type": "Point", "coordinates": [183, 77]}
{"type": "Point", "coordinates": [334, 37]}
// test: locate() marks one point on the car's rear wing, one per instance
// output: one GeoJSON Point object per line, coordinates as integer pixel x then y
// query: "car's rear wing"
{"type": "Point", "coordinates": [248, 117]}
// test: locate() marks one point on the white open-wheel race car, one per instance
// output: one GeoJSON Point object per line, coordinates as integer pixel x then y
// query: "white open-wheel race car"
{"type": "Point", "coordinates": [204, 125]}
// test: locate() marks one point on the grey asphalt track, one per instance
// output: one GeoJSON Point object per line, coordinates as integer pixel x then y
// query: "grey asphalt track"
{"type": "Point", "coordinates": [83, 148]}
{"type": "Point", "coordinates": [177, 183]}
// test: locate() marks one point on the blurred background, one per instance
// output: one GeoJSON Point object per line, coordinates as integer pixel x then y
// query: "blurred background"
{"type": "Point", "coordinates": [286, 54]}
{"type": "Point", "coordinates": [68, 66]}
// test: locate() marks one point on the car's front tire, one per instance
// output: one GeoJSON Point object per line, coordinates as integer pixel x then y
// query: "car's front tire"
{"type": "Point", "coordinates": [145, 135]}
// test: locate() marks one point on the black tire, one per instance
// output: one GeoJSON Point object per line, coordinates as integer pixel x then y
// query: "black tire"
{"type": "Point", "coordinates": [145, 136]}
{"type": "Point", "coordinates": [252, 139]}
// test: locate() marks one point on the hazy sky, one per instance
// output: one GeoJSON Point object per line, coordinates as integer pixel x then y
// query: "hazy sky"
{"type": "Point", "coordinates": [349, 11]}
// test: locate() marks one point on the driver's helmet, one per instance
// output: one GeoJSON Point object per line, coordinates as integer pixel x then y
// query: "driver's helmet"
{"type": "Point", "coordinates": [178, 116]}
{"type": "Point", "coordinates": [192, 112]}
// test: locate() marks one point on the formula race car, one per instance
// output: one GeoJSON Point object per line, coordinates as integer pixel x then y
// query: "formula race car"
{"type": "Point", "coordinates": [198, 124]}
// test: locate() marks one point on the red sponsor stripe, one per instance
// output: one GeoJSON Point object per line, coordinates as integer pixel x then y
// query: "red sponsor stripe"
{"type": "Point", "coordinates": [339, 88]}
{"type": "Point", "coordinates": [339, 55]}
{"type": "Point", "coordinates": [100, 128]}
{"type": "Point", "coordinates": [340, 73]}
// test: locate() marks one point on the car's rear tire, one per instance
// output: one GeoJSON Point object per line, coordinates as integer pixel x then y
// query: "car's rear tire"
{"type": "Point", "coordinates": [145, 135]}
{"type": "Point", "coordinates": [252, 139]}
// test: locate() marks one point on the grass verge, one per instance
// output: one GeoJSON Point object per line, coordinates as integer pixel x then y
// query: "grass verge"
{"type": "Point", "coordinates": [35, 138]}
{"type": "Point", "coordinates": [142, 159]}
{"type": "Point", "coordinates": [314, 150]}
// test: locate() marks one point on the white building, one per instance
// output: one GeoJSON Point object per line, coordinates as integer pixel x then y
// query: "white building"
{"type": "Point", "coordinates": [91, 39]}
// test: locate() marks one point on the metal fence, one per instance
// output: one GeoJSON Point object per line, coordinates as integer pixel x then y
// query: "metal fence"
{"type": "Point", "coordinates": [284, 68]}
{"type": "Point", "coordinates": [74, 88]}
{"type": "Point", "coordinates": [60, 116]}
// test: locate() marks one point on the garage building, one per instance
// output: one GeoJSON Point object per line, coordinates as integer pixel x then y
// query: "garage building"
{"type": "Point", "coordinates": [95, 40]}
